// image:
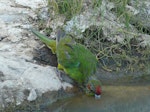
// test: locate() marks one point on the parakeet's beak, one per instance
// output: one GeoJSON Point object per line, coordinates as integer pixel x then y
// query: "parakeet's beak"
{"type": "Point", "coordinates": [98, 92]}
{"type": "Point", "coordinates": [97, 96]}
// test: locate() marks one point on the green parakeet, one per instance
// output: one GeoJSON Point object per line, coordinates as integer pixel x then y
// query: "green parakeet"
{"type": "Point", "coordinates": [76, 60]}
{"type": "Point", "coordinates": [49, 42]}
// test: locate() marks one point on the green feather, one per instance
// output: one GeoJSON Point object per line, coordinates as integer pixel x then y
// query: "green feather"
{"type": "Point", "coordinates": [78, 62]}
{"type": "Point", "coordinates": [49, 42]}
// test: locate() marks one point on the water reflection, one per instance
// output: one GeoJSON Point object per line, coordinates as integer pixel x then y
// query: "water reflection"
{"type": "Point", "coordinates": [114, 99]}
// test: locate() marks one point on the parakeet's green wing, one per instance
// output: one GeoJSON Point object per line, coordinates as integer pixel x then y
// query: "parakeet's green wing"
{"type": "Point", "coordinates": [78, 62]}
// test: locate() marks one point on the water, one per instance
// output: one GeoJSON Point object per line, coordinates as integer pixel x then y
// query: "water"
{"type": "Point", "coordinates": [135, 98]}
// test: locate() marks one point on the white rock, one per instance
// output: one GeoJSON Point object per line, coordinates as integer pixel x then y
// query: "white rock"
{"type": "Point", "coordinates": [32, 3]}
{"type": "Point", "coordinates": [42, 78]}
{"type": "Point", "coordinates": [32, 96]}
{"type": "Point", "coordinates": [19, 75]}
{"type": "Point", "coordinates": [16, 46]}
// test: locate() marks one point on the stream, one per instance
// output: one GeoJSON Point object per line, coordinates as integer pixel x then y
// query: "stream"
{"type": "Point", "coordinates": [129, 98]}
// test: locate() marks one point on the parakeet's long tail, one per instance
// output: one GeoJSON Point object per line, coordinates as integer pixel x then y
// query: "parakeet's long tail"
{"type": "Point", "coordinates": [42, 37]}
{"type": "Point", "coordinates": [49, 42]}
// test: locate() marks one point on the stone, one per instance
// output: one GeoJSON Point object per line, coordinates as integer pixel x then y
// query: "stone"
{"type": "Point", "coordinates": [20, 78]}
{"type": "Point", "coordinates": [32, 96]}
{"type": "Point", "coordinates": [19, 75]}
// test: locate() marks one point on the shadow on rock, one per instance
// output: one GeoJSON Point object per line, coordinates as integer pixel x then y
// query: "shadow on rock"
{"type": "Point", "coordinates": [45, 56]}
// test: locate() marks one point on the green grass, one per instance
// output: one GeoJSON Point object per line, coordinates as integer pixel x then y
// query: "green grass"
{"type": "Point", "coordinates": [68, 8]}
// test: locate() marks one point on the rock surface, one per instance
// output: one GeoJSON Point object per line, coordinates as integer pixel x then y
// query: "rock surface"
{"type": "Point", "coordinates": [20, 78]}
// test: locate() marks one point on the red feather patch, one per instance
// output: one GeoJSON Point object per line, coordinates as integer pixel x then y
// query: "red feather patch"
{"type": "Point", "coordinates": [98, 90]}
